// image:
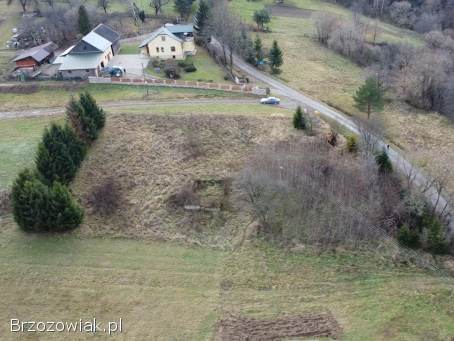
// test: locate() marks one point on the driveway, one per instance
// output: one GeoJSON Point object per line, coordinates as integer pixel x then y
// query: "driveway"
{"type": "Point", "coordinates": [133, 63]}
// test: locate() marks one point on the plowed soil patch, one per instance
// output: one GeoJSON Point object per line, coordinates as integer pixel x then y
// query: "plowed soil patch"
{"type": "Point", "coordinates": [241, 328]}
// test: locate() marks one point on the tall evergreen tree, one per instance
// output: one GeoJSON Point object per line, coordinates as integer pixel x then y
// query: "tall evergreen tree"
{"type": "Point", "coordinates": [299, 121]}
{"type": "Point", "coordinates": [93, 110]}
{"type": "Point", "coordinates": [83, 125]}
{"type": "Point", "coordinates": [83, 20]}
{"type": "Point", "coordinates": [261, 18]}
{"type": "Point", "coordinates": [59, 154]}
{"type": "Point", "coordinates": [39, 208]}
{"type": "Point", "coordinates": [275, 57]}
{"type": "Point", "coordinates": [369, 97]}
{"type": "Point", "coordinates": [258, 48]}
{"type": "Point", "coordinates": [201, 17]}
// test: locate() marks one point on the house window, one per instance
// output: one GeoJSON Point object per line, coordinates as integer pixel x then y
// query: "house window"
{"type": "Point", "coordinates": [69, 71]}
{"type": "Point", "coordinates": [86, 70]}
{"type": "Point", "coordinates": [163, 38]}
{"type": "Point", "coordinates": [157, 50]}
{"type": "Point", "coordinates": [172, 49]}
{"type": "Point", "coordinates": [162, 49]}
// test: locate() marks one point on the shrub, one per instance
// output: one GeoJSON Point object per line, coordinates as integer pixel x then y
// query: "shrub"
{"type": "Point", "coordinates": [105, 198]}
{"type": "Point", "coordinates": [383, 162]}
{"type": "Point", "coordinates": [299, 121]}
{"type": "Point", "coordinates": [190, 68]}
{"type": "Point", "coordinates": [59, 154]}
{"type": "Point", "coordinates": [39, 208]}
{"type": "Point", "coordinates": [332, 138]}
{"type": "Point", "coordinates": [172, 71]}
{"type": "Point", "coordinates": [436, 239]}
{"type": "Point", "coordinates": [408, 237]}
{"type": "Point", "coordinates": [352, 144]}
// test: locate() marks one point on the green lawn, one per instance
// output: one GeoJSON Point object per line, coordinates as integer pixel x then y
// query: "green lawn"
{"type": "Point", "coordinates": [18, 141]}
{"type": "Point", "coordinates": [130, 48]}
{"type": "Point", "coordinates": [52, 96]}
{"type": "Point", "coordinates": [164, 291]}
{"type": "Point", "coordinates": [207, 69]}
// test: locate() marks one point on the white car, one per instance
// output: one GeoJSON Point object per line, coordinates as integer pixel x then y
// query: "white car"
{"type": "Point", "coordinates": [270, 100]}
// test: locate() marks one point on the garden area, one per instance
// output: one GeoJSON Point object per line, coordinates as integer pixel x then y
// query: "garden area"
{"type": "Point", "coordinates": [200, 67]}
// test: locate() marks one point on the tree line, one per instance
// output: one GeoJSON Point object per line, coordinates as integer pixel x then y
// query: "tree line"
{"type": "Point", "coordinates": [41, 198]}
{"type": "Point", "coordinates": [422, 76]}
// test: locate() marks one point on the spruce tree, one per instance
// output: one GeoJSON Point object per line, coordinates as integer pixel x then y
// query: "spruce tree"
{"type": "Point", "coordinates": [83, 21]}
{"type": "Point", "coordinates": [59, 154]}
{"type": "Point", "coordinates": [299, 121]}
{"type": "Point", "coordinates": [39, 208]}
{"type": "Point", "coordinates": [30, 201]}
{"type": "Point", "coordinates": [258, 48]}
{"type": "Point", "coordinates": [64, 213]}
{"type": "Point", "coordinates": [383, 162]}
{"type": "Point", "coordinates": [93, 110]}
{"type": "Point", "coordinates": [275, 57]}
{"type": "Point", "coordinates": [83, 124]}
{"type": "Point", "coordinates": [201, 17]}
{"type": "Point", "coordinates": [369, 97]}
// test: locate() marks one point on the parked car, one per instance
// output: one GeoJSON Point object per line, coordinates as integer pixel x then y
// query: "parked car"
{"type": "Point", "coordinates": [270, 100]}
{"type": "Point", "coordinates": [114, 71]}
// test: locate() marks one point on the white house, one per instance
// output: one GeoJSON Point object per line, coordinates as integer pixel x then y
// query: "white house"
{"type": "Point", "coordinates": [90, 54]}
{"type": "Point", "coordinates": [170, 42]}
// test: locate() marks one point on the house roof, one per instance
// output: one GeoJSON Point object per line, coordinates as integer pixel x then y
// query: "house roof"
{"type": "Point", "coordinates": [180, 28]}
{"type": "Point", "coordinates": [107, 33]}
{"type": "Point", "coordinates": [79, 61]}
{"type": "Point", "coordinates": [38, 53]}
{"type": "Point", "coordinates": [160, 31]}
{"type": "Point", "coordinates": [91, 43]}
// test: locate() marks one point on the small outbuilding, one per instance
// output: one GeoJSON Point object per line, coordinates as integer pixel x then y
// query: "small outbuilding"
{"type": "Point", "coordinates": [32, 58]}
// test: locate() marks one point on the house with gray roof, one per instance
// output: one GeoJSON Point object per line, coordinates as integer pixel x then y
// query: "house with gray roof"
{"type": "Point", "coordinates": [170, 42]}
{"type": "Point", "coordinates": [90, 55]}
{"type": "Point", "coordinates": [32, 58]}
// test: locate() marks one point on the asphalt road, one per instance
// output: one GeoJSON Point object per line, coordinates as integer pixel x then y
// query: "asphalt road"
{"type": "Point", "coordinates": [398, 159]}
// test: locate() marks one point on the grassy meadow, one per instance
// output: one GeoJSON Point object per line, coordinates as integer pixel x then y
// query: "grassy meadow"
{"type": "Point", "coordinates": [166, 291]}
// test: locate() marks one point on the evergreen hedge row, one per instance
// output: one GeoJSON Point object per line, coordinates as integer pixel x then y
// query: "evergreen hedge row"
{"type": "Point", "coordinates": [41, 199]}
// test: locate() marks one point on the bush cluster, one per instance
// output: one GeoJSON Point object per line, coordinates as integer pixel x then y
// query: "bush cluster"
{"type": "Point", "coordinates": [41, 199]}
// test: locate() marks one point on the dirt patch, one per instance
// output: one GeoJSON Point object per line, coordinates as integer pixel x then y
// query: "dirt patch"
{"type": "Point", "coordinates": [237, 328]}
{"type": "Point", "coordinates": [290, 11]}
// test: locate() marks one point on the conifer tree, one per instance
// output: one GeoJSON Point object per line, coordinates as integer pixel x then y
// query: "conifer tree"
{"type": "Point", "coordinates": [258, 48]}
{"type": "Point", "coordinates": [201, 17]}
{"type": "Point", "coordinates": [369, 97]}
{"type": "Point", "coordinates": [83, 20]}
{"type": "Point", "coordinates": [93, 110]}
{"type": "Point", "coordinates": [275, 57]}
{"type": "Point", "coordinates": [39, 208]}
{"type": "Point", "coordinates": [299, 121]}
{"type": "Point", "coordinates": [383, 162]}
{"type": "Point", "coordinates": [59, 154]}
{"type": "Point", "coordinates": [83, 124]}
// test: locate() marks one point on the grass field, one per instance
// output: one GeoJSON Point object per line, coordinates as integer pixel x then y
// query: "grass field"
{"type": "Point", "coordinates": [19, 137]}
{"type": "Point", "coordinates": [165, 291]}
{"type": "Point", "coordinates": [54, 95]}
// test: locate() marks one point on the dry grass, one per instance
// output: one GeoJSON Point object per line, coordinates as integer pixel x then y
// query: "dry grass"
{"type": "Point", "coordinates": [428, 138]}
{"type": "Point", "coordinates": [148, 157]}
